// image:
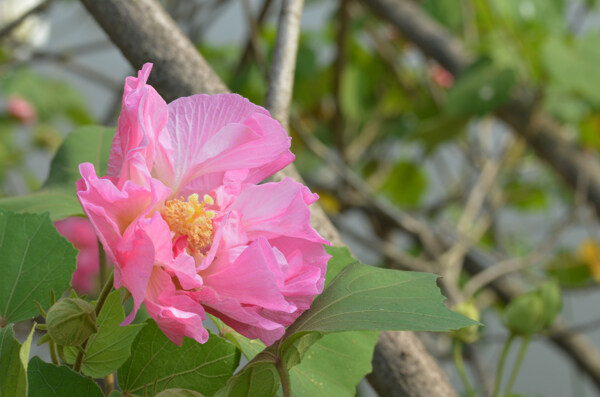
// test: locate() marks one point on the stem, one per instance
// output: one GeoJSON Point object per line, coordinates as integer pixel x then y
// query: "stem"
{"type": "Point", "coordinates": [53, 352]}
{"type": "Point", "coordinates": [284, 376]}
{"type": "Point", "coordinates": [101, 299]}
{"type": "Point", "coordinates": [501, 363]}
{"type": "Point", "coordinates": [460, 367]}
{"type": "Point", "coordinates": [102, 263]}
{"type": "Point", "coordinates": [105, 291]}
{"type": "Point", "coordinates": [515, 370]}
{"type": "Point", "coordinates": [110, 383]}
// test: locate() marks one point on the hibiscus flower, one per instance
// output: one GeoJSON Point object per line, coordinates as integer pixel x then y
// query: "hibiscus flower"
{"type": "Point", "coordinates": [190, 232]}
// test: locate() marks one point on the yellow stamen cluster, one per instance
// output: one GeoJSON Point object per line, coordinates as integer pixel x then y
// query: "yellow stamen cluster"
{"type": "Point", "coordinates": [190, 218]}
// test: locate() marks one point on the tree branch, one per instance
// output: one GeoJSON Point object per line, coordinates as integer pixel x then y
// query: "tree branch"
{"type": "Point", "coordinates": [144, 32]}
{"type": "Point", "coordinates": [281, 74]}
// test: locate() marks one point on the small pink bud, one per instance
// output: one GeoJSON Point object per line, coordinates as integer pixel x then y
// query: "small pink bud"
{"type": "Point", "coordinates": [441, 76]}
{"type": "Point", "coordinates": [22, 110]}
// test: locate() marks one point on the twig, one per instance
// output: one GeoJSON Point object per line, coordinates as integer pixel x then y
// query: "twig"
{"type": "Point", "coordinates": [281, 74]}
{"type": "Point", "coordinates": [4, 31]}
{"type": "Point", "coordinates": [248, 48]}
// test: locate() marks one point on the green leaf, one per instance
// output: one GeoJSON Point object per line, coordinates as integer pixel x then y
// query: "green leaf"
{"type": "Point", "coordinates": [60, 202]}
{"type": "Point", "coordinates": [365, 298]}
{"type": "Point", "coordinates": [51, 98]}
{"type": "Point", "coordinates": [257, 378]}
{"type": "Point", "coordinates": [58, 194]}
{"type": "Point", "coordinates": [115, 393]}
{"type": "Point", "coordinates": [480, 89]}
{"type": "Point", "coordinates": [574, 66]}
{"type": "Point", "coordinates": [14, 358]}
{"type": "Point", "coordinates": [570, 271]}
{"type": "Point", "coordinates": [526, 196]}
{"type": "Point", "coordinates": [86, 144]}
{"type": "Point", "coordinates": [350, 353]}
{"type": "Point", "coordinates": [49, 380]}
{"type": "Point", "coordinates": [156, 363]}
{"type": "Point", "coordinates": [405, 185]}
{"type": "Point", "coordinates": [35, 260]}
{"type": "Point", "coordinates": [110, 347]}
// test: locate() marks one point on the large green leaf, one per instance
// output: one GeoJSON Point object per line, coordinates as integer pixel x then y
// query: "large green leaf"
{"type": "Point", "coordinates": [110, 347]}
{"type": "Point", "coordinates": [156, 363]}
{"type": "Point", "coordinates": [35, 260]}
{"type": "Point", "coordinates": [14, 358]}
{"type": "Point", "coordinates": [59, 202]}
{"type": "Point", "coordinates": [366, 298]}
{"type": "Point", "coordinates": [86, 144]}
{"type": "Point", "coordinates": [480, 89]}
{"type": "Point", "coordinates": [49, 380]}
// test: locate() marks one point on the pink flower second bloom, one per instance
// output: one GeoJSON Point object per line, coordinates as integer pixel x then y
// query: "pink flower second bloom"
{"type": "Point", "coordinates": [80, 233]}
{"type": "Point", "coordinates": [189, 230]}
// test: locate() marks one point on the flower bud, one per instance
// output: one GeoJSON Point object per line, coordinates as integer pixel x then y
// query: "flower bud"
{"type": "Point", "coordinates": [550, 294]}
{"type": "Point", "coordinates": [467, 334]}
{"type": "Point", "coordinates": [525, 314]}
{"type": "Point", "coordinates": [71, 321]}
{"type": "Point", "coordinates": [178, 393]}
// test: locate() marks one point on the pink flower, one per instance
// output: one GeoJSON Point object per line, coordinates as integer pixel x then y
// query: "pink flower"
{"type": "Point", "coordinates": [22, 110]}
{"type": "Point", "coordinates": [190, 232]}
{"type": "Point", "coordinates": [80, 233]}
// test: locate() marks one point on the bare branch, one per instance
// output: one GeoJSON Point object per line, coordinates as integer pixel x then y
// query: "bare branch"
{"type": "Point", "coordinates": [281, 75]}
{"type": "Point", "coordinates": [15, 24]}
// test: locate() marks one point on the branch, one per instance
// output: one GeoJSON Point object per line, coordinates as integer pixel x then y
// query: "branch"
{"type": "Point", "coordinates": [144, 32]}
{"type": "Point", "coordinates": [281, 75]}
{"type": "Point", "coordinates": [15, 24]}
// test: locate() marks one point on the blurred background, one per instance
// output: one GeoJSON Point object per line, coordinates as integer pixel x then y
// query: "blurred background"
{"type": "Point", "coordinates": [458, 137]}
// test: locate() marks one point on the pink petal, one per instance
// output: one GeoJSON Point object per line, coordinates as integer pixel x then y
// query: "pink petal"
{"type": "Point", "coordinates": [218, 133]}
{"type": "Point", "coordinates": [143, 116]}
{"type": "Point", "coordinates": [80, 233]}
{"type": "Point", "coordinates": [177, 313]}
{"type": "Point", "coordinates": [251, 279]}
{"type": "Point", "coordinates": [277, 209]}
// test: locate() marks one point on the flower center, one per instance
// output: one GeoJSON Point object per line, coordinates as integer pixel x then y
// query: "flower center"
{"type": "Point", "coordinates": [191, 219]}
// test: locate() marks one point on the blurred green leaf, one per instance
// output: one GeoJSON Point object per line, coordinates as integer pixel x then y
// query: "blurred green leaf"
{"type": "Point", "coordinates": [59, 202]}
{"type": "Point", "coordinates": [570, 271]}
{"type": "Point", "coordinates": [85, 144]}
{"type": "Point", "coordinates": [405, 184]}
{"type": "Point", "coordinates": [35, 260]}
{"type": "Point", "coordinates": [482, 88]}
{"type": "Point", "coordinates": [51, 98]}
{"type": "Point", "coordinates": [573, 66]}
{"type": "Point", "coordinates": [526, 196]}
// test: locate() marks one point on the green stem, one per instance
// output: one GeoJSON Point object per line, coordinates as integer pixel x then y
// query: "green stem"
{"type": "Point", "coordinates": [284, 376]}
{"type": "Point", "coordinates": [102, 263]}
{"type": "Point", "coordinates": [460, 367]}
{"type": "Point", "coordinates": [101, 299]}
{"type": "Point", "coordinates": [53, 352]}
{"type": "Point", "coordinates": [501, 363]}
{"type": "Point", "coordinates": [515, 370]}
